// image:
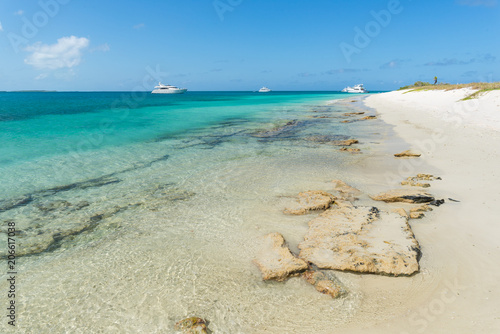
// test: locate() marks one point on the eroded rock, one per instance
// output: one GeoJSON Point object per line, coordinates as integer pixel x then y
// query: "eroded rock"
{"type": "Point", "coordinates": [368, 117]}
{"type": "Point", "coordinates": [408, 154]}
{"type": "Point", "coordinates": [324, 284]}
{"type": "Point", "coordinates": [361, 239]}
{"type": "Point", "coordinates": [275, 260]}
{"type": "Point", "coordinates": [310, 200]}
{"type": "Point", "coordinates": [350, 149]}
{"type": "Point", "coordinates": [193, 325]}
{"type": "Point", "coordinates": [404, 195]}
{"type": "Point", "coordinates": [346, 191]}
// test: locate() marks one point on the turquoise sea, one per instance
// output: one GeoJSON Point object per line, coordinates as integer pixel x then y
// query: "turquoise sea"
{"type": "Point", "coordinates": [136, 210]}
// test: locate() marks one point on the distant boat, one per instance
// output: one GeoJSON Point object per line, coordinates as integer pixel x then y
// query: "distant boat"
{"type": "Point", "coordinates": [356, 89]}
{"type": "Point", "coordinates": [168, 89]}
{"type": "Point", "coordinates": [264, 90]}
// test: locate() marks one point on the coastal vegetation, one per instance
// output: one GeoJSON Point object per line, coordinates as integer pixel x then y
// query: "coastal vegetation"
{"type": "Point", "coordinates": [479, 87]}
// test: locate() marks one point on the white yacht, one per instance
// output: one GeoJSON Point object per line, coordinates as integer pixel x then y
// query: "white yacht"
{"type": "Point", "coordinates": [168, 89]}
{"type": "Point", "coordinates": [356, 89]}
{"type": "Point", "coordinates": [264, 90]}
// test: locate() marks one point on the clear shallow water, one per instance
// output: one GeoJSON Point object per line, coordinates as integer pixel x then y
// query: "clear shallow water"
{"type": "Point", "coordinates": [138, 212]}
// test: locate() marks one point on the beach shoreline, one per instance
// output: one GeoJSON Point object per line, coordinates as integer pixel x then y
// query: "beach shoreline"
{"type": "Point", "coordinates": [460, 140]}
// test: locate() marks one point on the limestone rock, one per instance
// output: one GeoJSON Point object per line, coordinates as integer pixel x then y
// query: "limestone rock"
{"type": "Point", "coordinates": [350, 149]}
{"type": "Point", "coordinates": [347, 142]}
{"type": "Point", "coordinates": [346, 191]}
{"type": "Point", "coordinates": [407, 153]}
{"type": "Point", "coordinates": [361, 239]}
{"type": "Point", "coordinates": [275, 260]}
{"type": "Point", "coordinates": [323, 284]}
{"type": "Point", "coordinates": [415, 184]}
{"type": "Point", "coordinates": [404, 195]}
{"type": "Point", "coordinates": [311, 200]}
{"type": "Point", "coordinates": [421, 208]}
{"type": "Point", "coordinates": [354, 113]}
{"type": "Point", "coordinates": [416, 215]}
{"type": "Point", "coordinates": [193, 325]}
{"type": "Point", "coordinates": [402, 212]}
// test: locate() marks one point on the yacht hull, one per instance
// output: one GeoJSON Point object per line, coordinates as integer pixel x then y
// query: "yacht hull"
{"type": "Point", "coordinates": [169, 91]}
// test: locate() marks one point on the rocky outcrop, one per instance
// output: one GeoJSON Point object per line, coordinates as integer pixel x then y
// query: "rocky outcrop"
{"type": "Point", "coordinates": [361, 239]}
{"type": "Point", "coordinates": [368, 117]}
{"type": "Point", "coordinates": [404, 195]}
{"type": "Point", "coordinates": [324, 284]}
{"type": "Point", "coordinates": [193, 325]}
{"type": "Point", "coordinates": [345, 191]}
{"type": "Point", "coordinates": [354, 113]}
{"type": "Point", "coordinates": [402, 212]}
{"type": "Point", "coordinates": [347, 142]}
{"type": "Point", "coordinates": [418, 212]}
{"type": "Point", "coordinates": [414, 180]}
{"type": "Point", "coordinates": [408, 154]}
{"type": "Point", "coordinates": [415, 184]}
{"type": "Point", "coordinates": [350, 149]}
{"type": "Point", "coordinates": [332, 140]}
{"type": "Point", "coordinates": [310, 200]}
{"type": "Point", "coordinates": [275, 260]}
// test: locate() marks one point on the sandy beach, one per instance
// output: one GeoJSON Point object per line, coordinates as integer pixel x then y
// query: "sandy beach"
{"type": "Point", "coordinates": [456, 289]}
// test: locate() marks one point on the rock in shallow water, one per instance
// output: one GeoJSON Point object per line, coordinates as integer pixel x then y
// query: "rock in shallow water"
{"type": "Point", "coordinates": [310, 200]}
{"type": "Point", "coordinates": [275, 260]}
{"type": "Point", "coordinates": [361, 239]}
{"type": "Point", "coordinates": [193, 325]}
{"type": "Point", "coordinates": [324, 284]}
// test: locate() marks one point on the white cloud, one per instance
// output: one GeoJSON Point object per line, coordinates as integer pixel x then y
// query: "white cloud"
{"type": "Point", "coordinates": [103, 48]}
{"type": "Point", "coordinates": [139, 26]}
{"type": "Point", "coordinates": [41, 76]}
{"type": "Point", "coordinates": [1, 28]}
{"type": "Point", "coordinates": [19, 12]}
{"type": "Point", "coordinates": [67, 52]}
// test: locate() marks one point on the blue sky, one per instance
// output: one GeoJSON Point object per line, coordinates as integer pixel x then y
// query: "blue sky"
{"type": "Point", "coordinates": [245, 44]}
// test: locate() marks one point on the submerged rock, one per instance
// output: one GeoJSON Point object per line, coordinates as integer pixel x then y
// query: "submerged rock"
{"type": "Point", "coordinates": [347, 142]}
{"type": "Point", "coordinates": [275, 260]}
{"type": "Point", "coordinates": [310, 200]}
{"type": "Point", "coordinates": [193, 325]}
{"type": "Point", "coordinates": [354, 113]}
{"type": "Point", "coordinates": [346, 191]}
{"type": "Point", "coordinates": [324, 284]}
{"type": "Point", "coordinates": [368, 117]}
{"type": "Point", "coordinates": [350, 149]}
{"type": "Point", "coordinates": [407, 153]}
{"type": "Point", "coordinates": [404, 195]}
{"type": "Point", "coordinates": [361, 239]}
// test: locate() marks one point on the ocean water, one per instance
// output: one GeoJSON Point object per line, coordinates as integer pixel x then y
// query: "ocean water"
{"type": "Point", "coordinates": [136, 210]}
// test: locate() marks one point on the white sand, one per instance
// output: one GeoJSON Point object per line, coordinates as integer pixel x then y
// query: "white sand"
{"type": "Point", "coordinates": [458, 287]}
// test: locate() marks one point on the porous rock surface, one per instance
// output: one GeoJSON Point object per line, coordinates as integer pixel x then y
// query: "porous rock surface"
{"type": "Point", "coordinates": [275, 260]}
{"type": "Point", "coordinates": [361, 239]}
{"type": "Point", "coordinates": [404, 195]}
{"type": "Point", "coordinates": [310, 200]}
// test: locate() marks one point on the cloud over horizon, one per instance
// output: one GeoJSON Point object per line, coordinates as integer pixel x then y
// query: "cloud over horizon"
{"type": "Point", "coordinates": [484, 58]}
{"type": "Point", "coordinates": [67, 52]}
{"type": "Point", "coordinates": [345, 70]}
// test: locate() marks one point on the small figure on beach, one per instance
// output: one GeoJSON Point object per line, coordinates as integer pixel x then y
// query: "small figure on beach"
{"type": "Point", "coordinates": [435, 80]}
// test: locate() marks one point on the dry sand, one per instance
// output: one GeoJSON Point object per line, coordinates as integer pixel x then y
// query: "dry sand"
{"type": "Point", "coordinates": [458, 287]}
